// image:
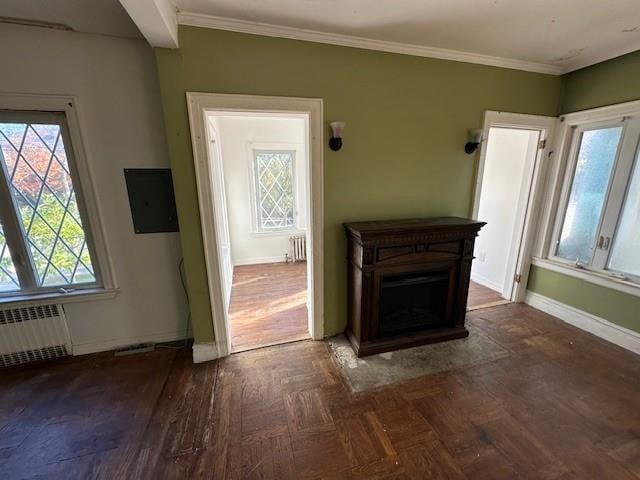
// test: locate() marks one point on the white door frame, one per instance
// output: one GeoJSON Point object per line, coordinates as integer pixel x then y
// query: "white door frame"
{"type": "Point", "coordinates": [531, 203]}
{"type": "Point", "coordinates": [199, 104]}
{"type": "Point", "coordinates": [222, 220]}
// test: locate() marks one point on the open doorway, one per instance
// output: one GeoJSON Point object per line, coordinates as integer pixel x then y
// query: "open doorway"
{"type": "Point", "coordinates": [511, 162]}
{"type": "Point", "coordinates": [262, 194]}
{"type": "Point", "coordinates": [258, 165]}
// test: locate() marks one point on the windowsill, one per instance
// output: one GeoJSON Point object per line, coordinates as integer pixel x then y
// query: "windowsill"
{"type": "Point", "coordinates": [278, 233]}
{"type": "Point", "coordinates": [590, 276]}
{"type": "Point", "coordinates": [87, 295]}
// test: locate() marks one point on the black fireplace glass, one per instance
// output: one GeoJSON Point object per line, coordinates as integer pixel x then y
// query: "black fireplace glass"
{"type": "Point", "coordinates": [413, 302]}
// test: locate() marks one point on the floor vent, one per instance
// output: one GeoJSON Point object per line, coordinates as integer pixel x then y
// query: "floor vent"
{"type": "Point", "coordinates": [29, 334]}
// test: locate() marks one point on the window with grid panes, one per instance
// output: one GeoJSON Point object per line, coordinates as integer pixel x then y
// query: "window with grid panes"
{"type": "Point", "coordinates": [45, 242]}
{"type": "Point", "coordinates": [274, 180]}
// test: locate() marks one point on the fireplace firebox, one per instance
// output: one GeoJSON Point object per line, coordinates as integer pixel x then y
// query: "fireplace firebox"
{"type": "Point", "coordinates": [408, 281]}
{"type": "Point", "coordinates": [412, 302]}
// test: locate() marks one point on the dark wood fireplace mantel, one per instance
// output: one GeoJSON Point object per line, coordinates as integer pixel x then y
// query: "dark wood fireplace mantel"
{"type": "Point", "coordinates": [408, 281]}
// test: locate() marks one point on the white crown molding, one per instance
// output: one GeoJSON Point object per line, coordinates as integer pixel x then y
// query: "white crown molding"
{"type": "Point", "coordinates": [256, 28]}
{"type": "Point", "coordinates": [598, 326]}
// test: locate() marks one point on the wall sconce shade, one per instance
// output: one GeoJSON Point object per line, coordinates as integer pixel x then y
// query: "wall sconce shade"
{"type": "Point", "coordinates": [474, 139]}
{"type": "Point", "coordinates": [335, 142]}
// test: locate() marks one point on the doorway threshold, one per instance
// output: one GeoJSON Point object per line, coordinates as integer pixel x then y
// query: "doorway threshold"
{"type": "Point", "coordinates": [249, 348]}
{"type": "Point", "coordinates": [487, 305]}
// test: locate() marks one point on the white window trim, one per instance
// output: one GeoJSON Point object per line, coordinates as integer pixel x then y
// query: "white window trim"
{"type": "Point", "coordinates": [251, 147]}
{"type": "Point", "coordinates": [557, 191]}
{"type": "Point", "coordinates": [70, 107]}
{"type": "Point", "coordinates": [573, 140]}
{"type": "Point", "coordinates": [84, 295]}
{"type": "Point", "coordinates": [591, 276]}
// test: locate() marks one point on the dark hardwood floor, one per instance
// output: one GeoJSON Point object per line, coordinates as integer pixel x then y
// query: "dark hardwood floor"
{"type": "Point", "coordinates": [268, 305]}
{"type": "Point", "coordinates": [562, 405]}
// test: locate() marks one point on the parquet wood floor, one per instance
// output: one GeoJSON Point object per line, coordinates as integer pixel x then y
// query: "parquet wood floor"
{"type": "Point", "coordinates": [268, 305]}
{"type": "Point", "coordinates": [563, 405]}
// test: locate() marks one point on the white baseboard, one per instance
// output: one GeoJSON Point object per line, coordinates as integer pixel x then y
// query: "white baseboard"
{"type": "Point", "coordinates": [486, 282]}
{"type": "Point", "coordinates": [599, 327]}
{"type": "Point", "coordinates": [115, 343]}
{"type": "Point", "coordinates": [258, 260]}
{"type": "Point", "coordinates": [204, 352]}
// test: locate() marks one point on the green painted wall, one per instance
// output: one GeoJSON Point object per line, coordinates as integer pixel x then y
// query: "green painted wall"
{"type": "Point", "coordinates": [614, 81]}
{"type": "Point", "coordinates": [606, 83]}
{"type": "Point", "coordinates": [407, 119]}
{"type": "Point", "coordinates": [615, 306]}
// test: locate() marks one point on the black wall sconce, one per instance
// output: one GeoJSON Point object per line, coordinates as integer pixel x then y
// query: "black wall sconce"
{"type": "Point", "coordinates": [474, 139]}
{"type": "Point", "coordinates": [335, 142]}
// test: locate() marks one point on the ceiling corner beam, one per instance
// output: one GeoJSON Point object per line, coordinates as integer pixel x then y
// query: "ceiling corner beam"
{"type": "Point", "coordinates": [156, 19]}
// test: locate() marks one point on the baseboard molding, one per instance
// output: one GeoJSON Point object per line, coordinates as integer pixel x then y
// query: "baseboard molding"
{"type": "Point", "coordinates": [259, 260]}
{"type": "Point", "coordinates": [204, 352]}
{"type": "Point", "coordinates": [487, 283]}
{"type": "Point", "coordinates": [115, 343]}
{"type": "Point", "coordinates": [598, 326]}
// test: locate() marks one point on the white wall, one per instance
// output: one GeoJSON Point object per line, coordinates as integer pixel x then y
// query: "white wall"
{"type": "Point", "coordinates": [237, 137]}
{"type": "Point", "coordinates": [504, 169]}
{"type": "Point", "coordinates": [118, 102]}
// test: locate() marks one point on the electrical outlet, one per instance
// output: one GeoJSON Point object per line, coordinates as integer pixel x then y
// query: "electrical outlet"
{"type": "Point", "coordinates": [482, 257]}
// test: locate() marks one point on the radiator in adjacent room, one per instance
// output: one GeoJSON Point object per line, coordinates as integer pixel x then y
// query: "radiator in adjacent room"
{"type": "Point", "coordinates": [28, 334]}
{"type": "Point", "coordinates": [298, 248]}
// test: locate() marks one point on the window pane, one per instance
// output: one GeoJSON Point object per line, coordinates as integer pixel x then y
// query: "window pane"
{"type": "Point", "coordinates": [274, 189]}
{"type": "Point", "coordinates": [625, 253]}
{"type": "Point", "coordinates": [36, 164]}
{"type": "Point", "coordinates": [8, 278]}
{"type": "Point", "coordinates": [596, 157]}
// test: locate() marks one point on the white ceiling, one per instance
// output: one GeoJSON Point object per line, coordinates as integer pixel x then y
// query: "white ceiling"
{"type": "Point", "coordinates": [105, 17]}
{"type": "Point", "coordinates": [562, 35]}
{"type": "Point", "coordinates": [552, 36]}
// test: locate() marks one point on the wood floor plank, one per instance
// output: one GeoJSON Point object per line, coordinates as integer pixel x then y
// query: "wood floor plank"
{"type": "Point", "coordinates": [268, 304]}
{"type": "Point", "coordinates": [308, 411]}
{"type": "Point", "coordinates": [270, 457]}
{"type": "Point", "coordinates": [318, 453]}
{"type": "Point", "coordinates": [528, 456]}
{"type": "Point", "coordinates": [430, 460]}
{"type": "Point", "coordinates": [364, 439]}
{"type": "Point", "coordinates": [479, 296]}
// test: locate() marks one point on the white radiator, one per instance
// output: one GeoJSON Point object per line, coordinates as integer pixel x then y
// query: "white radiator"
{"type": "Point", "coordinates": [298, 248]}
{"type": "Point", "coordinates": [28, 334]}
